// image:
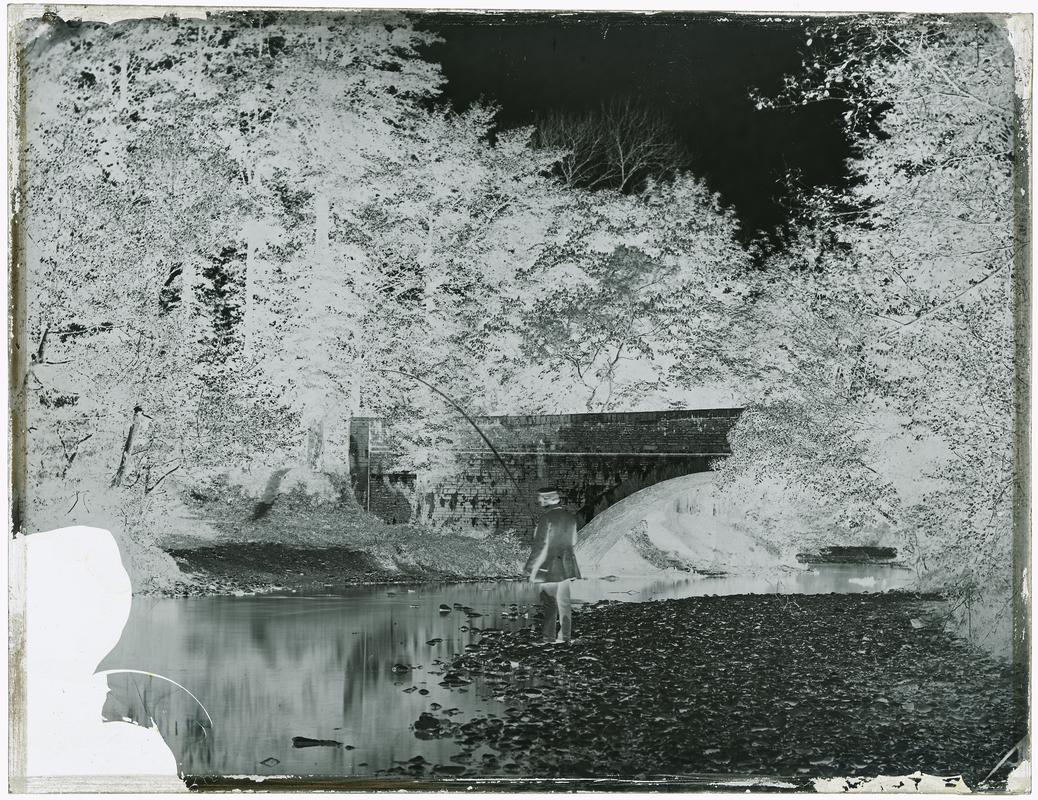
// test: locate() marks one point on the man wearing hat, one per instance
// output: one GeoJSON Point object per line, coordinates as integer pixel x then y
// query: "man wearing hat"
{"type": "Point", "coordinates": [553, 564]}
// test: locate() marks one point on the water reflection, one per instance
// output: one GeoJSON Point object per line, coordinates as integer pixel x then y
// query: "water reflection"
{"type": "Point", "coordinates": [824, 579]}
{"type": "Point", "coordinates": [356, 667]}
{"type": "Point", "coordinates": [271, 668]}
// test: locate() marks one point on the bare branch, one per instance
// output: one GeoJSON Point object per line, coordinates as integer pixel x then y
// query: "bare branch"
{"type": "Point", "coordinates": [621, 146]}
{"type": "Point", "coordinates": [150, 489]}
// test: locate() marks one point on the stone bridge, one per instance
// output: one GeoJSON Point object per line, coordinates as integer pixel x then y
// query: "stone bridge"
{"type": "Point", "coordinates": [596, 460]}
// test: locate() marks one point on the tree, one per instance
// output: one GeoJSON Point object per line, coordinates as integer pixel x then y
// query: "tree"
{"type": "Point", "coordinates": [293, 223]}
{"type": "Point", "coordinates": [451, 232]}
{"type": "Point", "coordinates": [104, 227]}
{"type": "Point", "coordinates": [340, 98]}
{"type": "Point", "coordinates": [632, 297]}
{"type": "Point", "coordinates": [622, 145]}
{"type": "Point", "coordinates": [143, 184]}
{"type": "Point", "coordinates": [905, 285]}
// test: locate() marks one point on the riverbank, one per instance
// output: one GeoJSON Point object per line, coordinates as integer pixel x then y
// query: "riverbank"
{"type": "Point", "coordinates": [799, 687]}
{"type": "Point", "coordinates": [230, 542]}
{"type": "Point", "coordinates": [239, 568]}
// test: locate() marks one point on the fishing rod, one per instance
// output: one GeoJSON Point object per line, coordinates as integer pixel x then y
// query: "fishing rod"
{"type": "Point", "coordinates": [457, 407]}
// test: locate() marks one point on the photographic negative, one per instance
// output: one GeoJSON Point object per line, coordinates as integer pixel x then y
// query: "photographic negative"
{"type": "Point", "coordinates": [522, 400]}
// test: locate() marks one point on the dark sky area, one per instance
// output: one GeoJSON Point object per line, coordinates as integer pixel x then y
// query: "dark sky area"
{"type": "Point", "coordinates": [696, 69]}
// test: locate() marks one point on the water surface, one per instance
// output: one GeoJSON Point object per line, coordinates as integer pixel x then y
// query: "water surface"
{"type": "Point", "coordinates": [355, 665]}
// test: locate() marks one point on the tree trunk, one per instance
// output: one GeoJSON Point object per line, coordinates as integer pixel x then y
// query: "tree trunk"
{"type": "Point", "coordinates": [315, 445]}
{"type": "Point", "coordinates": [322, 225]}
{"type": "Point", "coordinates": [343, 430]}
{"type": "Point", "coordinates": [124, 82]}
{"type": "Point", "coordinates": [187, 283]}
{"type": "Point", "coordinates": [127, 454]}
{"type": "Point", "coordinates": [252, 287]}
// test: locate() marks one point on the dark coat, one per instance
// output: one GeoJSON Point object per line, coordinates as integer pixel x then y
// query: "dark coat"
{"type": "Point", "coordinates": [552, 558]}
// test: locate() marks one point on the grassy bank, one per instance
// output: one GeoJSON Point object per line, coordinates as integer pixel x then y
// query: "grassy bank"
{"type": "Point", "coordinates": [231, 542]}
{"type": "Point", "coordinates": [797, 687]}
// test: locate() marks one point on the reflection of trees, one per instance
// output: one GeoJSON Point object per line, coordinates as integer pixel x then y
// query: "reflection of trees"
{"type": "Point", "coordinates": [259, 635]}
{"type": "Point", "coordinates": [369, 667]}
{"type": "Point", "coordinates": [268, 669]}
{"type": "Point", "coordinates": [366, 665]}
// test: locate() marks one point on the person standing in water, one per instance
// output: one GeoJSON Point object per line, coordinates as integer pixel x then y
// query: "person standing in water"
{"type": "Point", "coordinates": [553, 564]}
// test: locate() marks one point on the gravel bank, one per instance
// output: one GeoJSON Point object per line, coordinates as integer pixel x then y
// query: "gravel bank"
{"type": "Point", "coordinates": [804, 686]}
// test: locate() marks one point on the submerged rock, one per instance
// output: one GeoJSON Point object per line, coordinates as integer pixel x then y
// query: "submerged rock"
{"type": "Point", "coordinates": [305, 741]}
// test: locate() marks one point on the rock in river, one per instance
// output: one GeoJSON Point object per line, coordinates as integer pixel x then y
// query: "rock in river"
{"type": "Point", "coordinates": [305, 741]}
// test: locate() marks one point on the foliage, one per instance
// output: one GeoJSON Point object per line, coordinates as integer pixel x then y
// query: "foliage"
{"type": "Point", "coordinates": [631, 298]}
{"type": "Point", "coordinates": [898, 363]}
{"type": "Point", "coordinates": [155, 150]}
{"type": "Point", "coordinates": [242, 230]}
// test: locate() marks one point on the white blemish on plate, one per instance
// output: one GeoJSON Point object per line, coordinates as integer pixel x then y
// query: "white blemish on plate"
{"type": "Point", "coordinates": [77, 600]}
{"type": "Point", "coordinates": [916, 782]}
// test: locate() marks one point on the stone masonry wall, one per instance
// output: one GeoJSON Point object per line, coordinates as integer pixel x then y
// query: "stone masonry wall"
{"type": "Point", "coordinates": [595, 460]}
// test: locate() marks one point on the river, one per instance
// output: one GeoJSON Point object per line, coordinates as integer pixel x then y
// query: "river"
{"type": "Point", "coordinates": [355, 665]}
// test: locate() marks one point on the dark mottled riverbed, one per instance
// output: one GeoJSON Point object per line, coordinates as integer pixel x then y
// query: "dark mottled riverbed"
{"type": "Point", "coordinates": [819, 685]}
